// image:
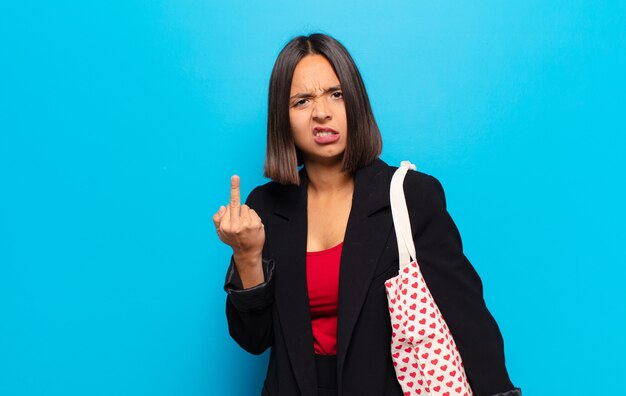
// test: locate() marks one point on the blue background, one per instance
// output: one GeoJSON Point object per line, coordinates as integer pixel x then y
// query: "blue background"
{"type": "Point", "coordinates": [121, 122]}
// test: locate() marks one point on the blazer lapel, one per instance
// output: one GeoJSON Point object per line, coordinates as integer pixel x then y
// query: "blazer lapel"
{"type": "Point", "coordinates": [289, 234]}
{"type": "Point", "coordinates": [365, 239]}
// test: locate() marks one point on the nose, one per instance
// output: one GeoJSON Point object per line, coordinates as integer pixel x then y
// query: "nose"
{"type": "Point", "coordinates": [320, 110]}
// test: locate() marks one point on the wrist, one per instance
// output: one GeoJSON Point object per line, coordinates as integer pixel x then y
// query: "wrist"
{"type": "Point", "coordinates": [250, 269]}
{"type": "Point", "coordinates": [247, 259]}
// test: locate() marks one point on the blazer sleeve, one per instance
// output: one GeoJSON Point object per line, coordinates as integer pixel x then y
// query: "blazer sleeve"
{"type": "Point", "coordinates": [456, 287]}
{"type": "Point", "coordinates": [249, 311]}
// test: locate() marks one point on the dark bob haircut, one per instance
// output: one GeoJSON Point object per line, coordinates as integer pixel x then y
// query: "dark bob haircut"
{"type": "Point", "coordinates": [364, 142]}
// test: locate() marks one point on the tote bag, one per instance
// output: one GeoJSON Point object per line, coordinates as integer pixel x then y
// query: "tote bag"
{"type": "Point", "coordinates": [425, 357]}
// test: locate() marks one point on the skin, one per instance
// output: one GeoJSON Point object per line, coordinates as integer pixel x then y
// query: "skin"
{"type": "Point", "coordinates": [315, 100]}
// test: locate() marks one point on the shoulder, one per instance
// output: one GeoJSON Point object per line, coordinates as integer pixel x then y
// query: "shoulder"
{"type": "Point", "coordinates": [264, 194]}
{"type": "Point", "coordinates": [266, 197]}
{"type": "Point", "coordinates": [417, 184]}
{"type": "Point", "coordinates": [424, 192]}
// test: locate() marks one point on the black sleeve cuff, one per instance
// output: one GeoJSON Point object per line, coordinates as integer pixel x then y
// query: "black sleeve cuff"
{"type": "Point", "coordinates": [254, 298]}
{"type": "Point", "coordinates": [513, 392]}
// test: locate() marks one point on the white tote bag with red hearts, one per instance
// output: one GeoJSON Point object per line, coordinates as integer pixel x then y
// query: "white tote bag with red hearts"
{"type": "Point", "coordinates": [425, 357]}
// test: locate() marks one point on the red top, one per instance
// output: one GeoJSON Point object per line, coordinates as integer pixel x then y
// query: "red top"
{"type": "Point", "coordinates": [322, 276]}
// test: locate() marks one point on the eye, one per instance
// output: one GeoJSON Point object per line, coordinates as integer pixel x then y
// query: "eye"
{"type": "Point", "coordinates": [337, 95]}
{"type": "Point", "coordinates": [299, 103]}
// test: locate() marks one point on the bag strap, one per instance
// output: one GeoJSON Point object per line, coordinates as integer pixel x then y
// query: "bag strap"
{"type": "Point", "coordinates": [400, 215]}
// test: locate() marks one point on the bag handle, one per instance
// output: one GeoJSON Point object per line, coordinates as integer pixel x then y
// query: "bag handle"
{"type": "Point", "coordinates": [400, 215]}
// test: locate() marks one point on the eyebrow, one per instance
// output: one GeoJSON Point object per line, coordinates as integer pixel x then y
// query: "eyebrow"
{"type": "Point", "coordinates": [308, 94]}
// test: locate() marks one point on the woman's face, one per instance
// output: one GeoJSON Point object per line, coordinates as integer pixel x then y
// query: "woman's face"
{"type": "Point", "coordinates": [317, 112]}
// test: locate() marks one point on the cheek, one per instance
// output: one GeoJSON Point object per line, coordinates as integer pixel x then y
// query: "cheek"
{"type": "Point", "coordinates": [299, 123]}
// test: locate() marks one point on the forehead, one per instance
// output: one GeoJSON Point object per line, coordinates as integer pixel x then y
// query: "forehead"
{"type": "Point", "coordinates": [313, 73]}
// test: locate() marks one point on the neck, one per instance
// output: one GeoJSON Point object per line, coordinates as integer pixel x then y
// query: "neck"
{"type": "Point", "coordinates": [327, 178]}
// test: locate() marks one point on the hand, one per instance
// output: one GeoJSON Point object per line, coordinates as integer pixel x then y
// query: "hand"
{"type": "Point", "coordinates": [241, 228]}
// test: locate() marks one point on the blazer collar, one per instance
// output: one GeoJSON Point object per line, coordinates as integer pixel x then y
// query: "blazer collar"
{"type": "Point", "coordinates": [371, 188]}
{"type": "Point", "coordinates": [364, 240]}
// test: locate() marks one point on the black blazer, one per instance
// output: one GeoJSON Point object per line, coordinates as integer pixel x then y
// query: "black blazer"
{"type": "Point", "coordinates": [276, 313]}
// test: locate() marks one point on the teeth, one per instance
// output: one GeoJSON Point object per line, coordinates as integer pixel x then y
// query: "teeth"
{"type": "Point", "coordinates": [323, 133]}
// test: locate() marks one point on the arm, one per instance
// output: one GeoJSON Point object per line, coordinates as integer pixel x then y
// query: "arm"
{"type": "Point", "coordinates": [456, 287]}
{"type": "Point", "coordinates": [249, 310]}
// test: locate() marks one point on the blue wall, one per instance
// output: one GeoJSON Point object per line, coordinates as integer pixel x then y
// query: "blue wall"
{"type": "Point", "coordinates": [120, 123]}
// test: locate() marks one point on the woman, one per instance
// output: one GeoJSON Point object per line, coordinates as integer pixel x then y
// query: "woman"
{"type": "Point", "coordinates": [313, 248]}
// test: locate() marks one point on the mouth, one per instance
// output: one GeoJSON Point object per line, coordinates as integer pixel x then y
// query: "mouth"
{"type": "Point", "coordinates": [324, 131]}
{"type": "Point", "coordinates": [325, 135]}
